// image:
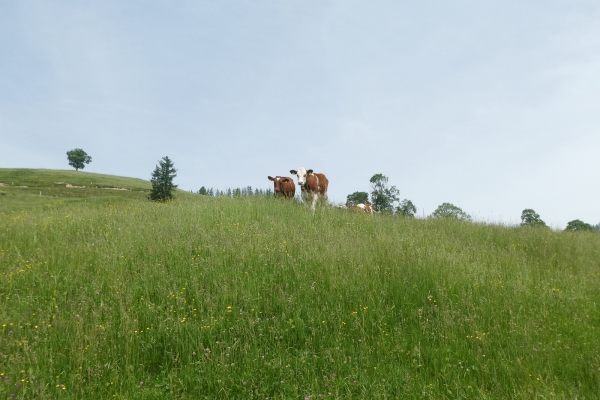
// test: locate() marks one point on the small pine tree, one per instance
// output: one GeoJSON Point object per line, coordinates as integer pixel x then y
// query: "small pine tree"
{"type": "Point", "coordinates": [203, 191]}
{"type": "Point", "coordinates": [162, 181]}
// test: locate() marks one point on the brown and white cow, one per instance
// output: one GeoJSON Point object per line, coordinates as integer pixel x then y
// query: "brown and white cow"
{"type": "Point", "coordinates": [364, 208]}
{"type": "Point", "coordinates": [312, 185]}
{"type": "Point", "coordinates": [283, 186]}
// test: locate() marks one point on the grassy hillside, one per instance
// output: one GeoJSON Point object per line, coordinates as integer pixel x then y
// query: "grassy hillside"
{"type": "Point", "coordinates": [22, 188]}
{"type": "Point", "coordinates": [260, 298]}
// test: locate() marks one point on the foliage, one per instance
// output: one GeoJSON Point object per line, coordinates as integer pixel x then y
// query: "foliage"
{"type": "Point", "coordinates": [578, 225]}
{"type": "Point", "coordinates": [357, 198]}
{"type": "Point", "coordinates": [239, 192]}
{"type": "Point", "coordinates": [162, 181]}
{"type": "Point", "coordinates": [530, 218]}
{"type": "Point", "coordinates": [450, 211]}
{"type": "Point", "coordinates": [406, 208]}
{"type": "Point", "coordinates": [382, 196]}
{"type": "Point", "coordinates": [203, 191]}
{"type": "Point", "coordinates": [78, 159]}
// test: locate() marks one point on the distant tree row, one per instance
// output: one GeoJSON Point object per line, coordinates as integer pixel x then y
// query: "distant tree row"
{"type": "Point", "coordinates": [386, 199]}
{"type": "Point", "coordinates": [237, 192]}
{"type": "Point", "coordinates": [532, 219]}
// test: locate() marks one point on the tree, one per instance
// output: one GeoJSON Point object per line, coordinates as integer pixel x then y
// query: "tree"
{"type": "Point", "coordinates": [78, 158]}
{"type": "Point", "coordinates": [357, 198]}
{"type": "Point", "coordinates": [578, 225]}
{"type": "Point", "coordinates": [162, 180]}
{"type": "Point", "coordinates": [382, 196]}
{"type": "Point", "coordinates": [406, 208]}
{"type": "Point", "coordinates": [203, 191]}
{"type": "Point", "coordinates": [530, 218]}
{"type": "Point", "coordinates": [450, 211]}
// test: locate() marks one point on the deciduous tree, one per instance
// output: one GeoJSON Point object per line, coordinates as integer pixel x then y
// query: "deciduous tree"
{"type": "Point", "coordinates": [406, 208]}
{"type": "Point", "coordinates": [78, 159]}
{"type": "Point", "coordinates": [357, 198]}
{"type": "Point", "coordinates": [450, 211]}
{"type": "Point", "coordinates": [578, 225]}
{"type": "Point", "coordinates": [382, 196]}
{"type": "Point", "coordinates": [530, 218]}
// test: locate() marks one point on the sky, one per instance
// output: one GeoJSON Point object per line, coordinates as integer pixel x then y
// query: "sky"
{"type": "Point", "coordinates": [493, 106]}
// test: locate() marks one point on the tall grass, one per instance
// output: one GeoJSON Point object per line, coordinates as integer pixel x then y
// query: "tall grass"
{"type": "Point", "coordinates": [261, 298]}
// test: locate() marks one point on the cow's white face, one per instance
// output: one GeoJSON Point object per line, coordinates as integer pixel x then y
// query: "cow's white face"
{"type": "Point", "coordinates": [302, 173]}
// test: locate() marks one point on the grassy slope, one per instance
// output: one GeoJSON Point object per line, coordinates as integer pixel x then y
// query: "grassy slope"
{"type": "Point", "coordinates": [43, 188]}
{"type": "Point", "coordinates": [255, 298]}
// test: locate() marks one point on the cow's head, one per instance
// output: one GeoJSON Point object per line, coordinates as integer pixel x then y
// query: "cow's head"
{"type": "Point", "coordinates": [278, 182]}
{"type": "Point", "coordinates": [301, 174]}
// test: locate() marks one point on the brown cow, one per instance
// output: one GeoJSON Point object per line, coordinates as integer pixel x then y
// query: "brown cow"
{"type": "Point", "coordinates": [312, 185]}
{"type": "Point", "coordinates": [283, 186]}
{"type": "Point", "coordinates": [364, 208]}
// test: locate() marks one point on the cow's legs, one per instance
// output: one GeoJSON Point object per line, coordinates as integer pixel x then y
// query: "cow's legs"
{"type": "Point", "coordinates": [314, 201]}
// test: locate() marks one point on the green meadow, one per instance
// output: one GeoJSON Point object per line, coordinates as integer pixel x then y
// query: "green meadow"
{"type": "Point", "coordinates": [106, 295]}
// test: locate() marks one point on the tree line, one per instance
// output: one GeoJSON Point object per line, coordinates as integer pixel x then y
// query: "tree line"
{"type": "Point", "coordinates": [237, 192]}
{"type": "Point", "coordinates": [386, 199]}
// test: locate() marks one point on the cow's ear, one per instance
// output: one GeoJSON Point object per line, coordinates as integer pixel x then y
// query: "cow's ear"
{"type": "Point", "coordinates": [270, 178]}
{"type": "Point", "coordinates": [293, 172]}
{"type": "Point", "coordinates": [309, 172]}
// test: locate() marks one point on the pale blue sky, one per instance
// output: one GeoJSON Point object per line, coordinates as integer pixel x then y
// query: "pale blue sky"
{"type": "Point", "coordinates": [492, 106]}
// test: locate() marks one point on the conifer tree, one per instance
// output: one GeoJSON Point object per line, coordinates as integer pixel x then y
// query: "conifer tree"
{"type": "Point", "coordinates": [162, 180]}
